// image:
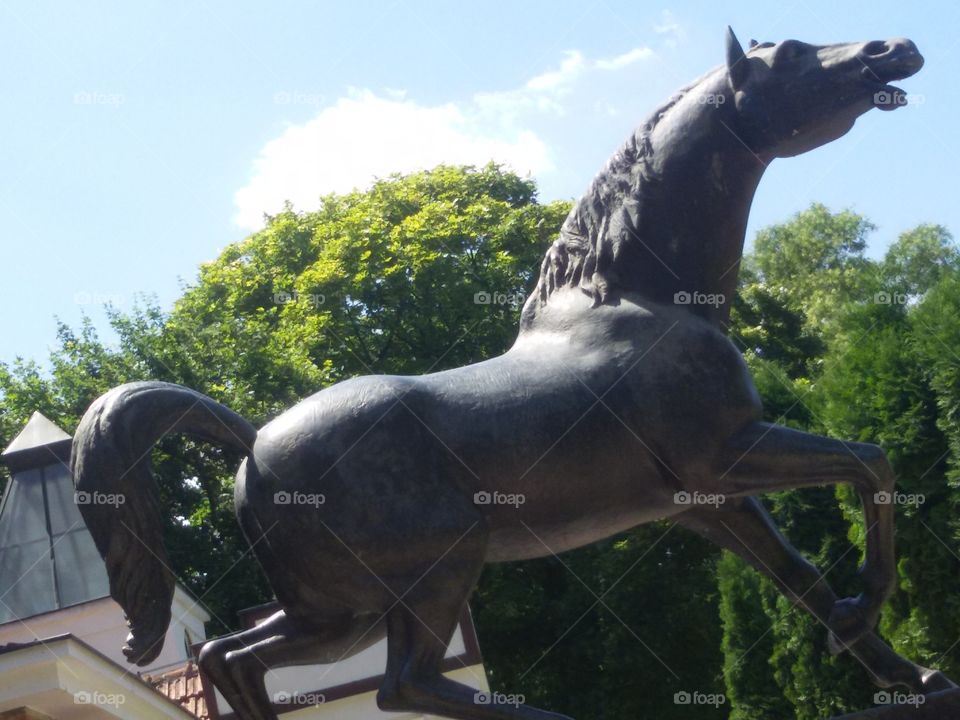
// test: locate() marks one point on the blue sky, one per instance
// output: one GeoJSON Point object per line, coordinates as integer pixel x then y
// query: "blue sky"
{"type": "Point", "coordinates": [142, 138]}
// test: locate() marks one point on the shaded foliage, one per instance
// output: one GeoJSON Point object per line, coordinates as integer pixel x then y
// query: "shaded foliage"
{"type": "Point", "coordinates": [851, 348]}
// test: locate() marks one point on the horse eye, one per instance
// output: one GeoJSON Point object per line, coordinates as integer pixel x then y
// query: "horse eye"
{"type": "Point", "coordinates": [789, 50]}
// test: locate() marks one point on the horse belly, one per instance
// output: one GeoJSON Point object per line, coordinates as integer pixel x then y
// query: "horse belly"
{"type": "Point", "coordinates": [575, 501]}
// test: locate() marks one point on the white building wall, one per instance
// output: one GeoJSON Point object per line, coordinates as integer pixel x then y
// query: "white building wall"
{"type": "Point", "coordinates": [101, 625]}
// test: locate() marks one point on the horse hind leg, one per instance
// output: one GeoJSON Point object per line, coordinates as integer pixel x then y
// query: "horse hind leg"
{"type": "Point", "coordinates": [419, 628]}
{"type": "Point", "coordinates": [238, 664]}
{"type": "Point", "coordinates": [213, 665]}
{"type": "Point", "coordinates": [744, 527]}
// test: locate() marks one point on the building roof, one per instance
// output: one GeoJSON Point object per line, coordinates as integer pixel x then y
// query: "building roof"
{"type": "Point", "coordinates": [65, 678]}
{"type": "Point", "coordinates": [184, 687]}
{"type": "Point", "coordinates": [52, 575]}
{"type": "Point", "coordinates": [38, 431]}
{"type": "Point", "coordinates": [39, 443]}
{"type": "Point", "coordinates": [47, 557]}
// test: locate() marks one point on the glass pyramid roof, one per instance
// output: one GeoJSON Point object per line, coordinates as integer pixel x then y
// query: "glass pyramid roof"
{"type": "Point", "coordinates": [47, 556]}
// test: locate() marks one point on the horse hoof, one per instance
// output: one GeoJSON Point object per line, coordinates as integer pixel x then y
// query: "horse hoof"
{"type": "Point", "coordinates": [934, 681]}
{"type": "Point", "coordinates": [834, 646]}
{"type": "Point", "coordinates": [847, 624]}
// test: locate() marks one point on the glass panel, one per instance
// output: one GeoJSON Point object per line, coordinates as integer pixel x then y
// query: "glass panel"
{"type": "Point", "coordinates": [64, 514]}
{"type": "Point", "coordinates": [26, 570]}
{"type": "Point", "coordinates": [26, 580]}
{"type": "Point", "coordinates": [81, 574]}
{"type": "Point", "coordinates": [23, 519]}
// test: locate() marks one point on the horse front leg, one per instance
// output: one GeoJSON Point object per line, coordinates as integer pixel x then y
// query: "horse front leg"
{"type": "Point", "coordinates": [764, 457]}
{"type": "Point", "coordinates": [744, 527]}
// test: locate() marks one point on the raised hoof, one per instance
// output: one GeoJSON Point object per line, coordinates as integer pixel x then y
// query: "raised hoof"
{"type": "Point", "coordinates": [934, 681]}
{"type": "Point", "coordinates": [834, 646]}
{"type": "Point", "coordinates": [847, 624]}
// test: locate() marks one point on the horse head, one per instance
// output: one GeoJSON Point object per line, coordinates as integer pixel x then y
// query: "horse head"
{"type": "Point", "coordinates": [668, 214]}
{"type": "Point", "coordinates": [792, 97]}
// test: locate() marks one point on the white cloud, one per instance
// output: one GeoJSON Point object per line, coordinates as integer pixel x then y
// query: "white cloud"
{"type": "Point", "coordinates": [547, 92]}
{"type": "Point", "coordinates": [670, 28]}
{"type": "Point", "coordinates": [365, 135]}
{"type": "Point", "coordinates": [571, 68]}
{"type": "Point", "coordinates": [628, 58]}
{"type": "Point", "coordinates": [608, 109]}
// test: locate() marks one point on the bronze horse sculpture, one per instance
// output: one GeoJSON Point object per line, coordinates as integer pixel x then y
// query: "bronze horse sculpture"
{"type": "Point", "coordinates": [621, 392]}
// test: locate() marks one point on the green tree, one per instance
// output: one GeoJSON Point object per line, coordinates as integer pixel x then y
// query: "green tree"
{"type": "Point", "coordinates": [376, 281]}
{"type": "Point", "coordinates": [613, 630]}
{"type": "Point", "coordinates": [833, 341]}
{"type": "Point", "coordinates": [816, 260]}
{"type": "Point", "coordinates": [427, 271]}
{"type": "Point", "coordinates": [918, 259]}
{"type": "Point", "coordinates": [888, 387]}
{"type": "Point", "coordinates": [419, 273]}
{"type": "Point", "coordinates": [748, 643]}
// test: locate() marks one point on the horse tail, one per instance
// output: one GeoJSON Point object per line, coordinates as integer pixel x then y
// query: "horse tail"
{"type": "Point", "coordinates": [110, 462]}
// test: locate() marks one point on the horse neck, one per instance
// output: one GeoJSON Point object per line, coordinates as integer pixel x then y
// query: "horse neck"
{"type": "Point", "coordinates": [684, 219]}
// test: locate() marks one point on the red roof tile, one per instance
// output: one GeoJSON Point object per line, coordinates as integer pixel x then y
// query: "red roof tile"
{"type": "Point", "coordinates": [182, 685]}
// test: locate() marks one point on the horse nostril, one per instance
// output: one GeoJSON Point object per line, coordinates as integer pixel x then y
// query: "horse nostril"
{"type": "Point", "coordinates": [875, 48]}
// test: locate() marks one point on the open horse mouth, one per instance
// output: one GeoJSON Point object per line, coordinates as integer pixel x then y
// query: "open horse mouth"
{"type": "Point", "coordinates": [898, 61]}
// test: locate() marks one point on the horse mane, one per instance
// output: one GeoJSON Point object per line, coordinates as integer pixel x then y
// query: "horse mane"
{"type": "Point", "coordinates": [590, 248]}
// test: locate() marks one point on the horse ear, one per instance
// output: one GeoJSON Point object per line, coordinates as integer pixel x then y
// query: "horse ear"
{"type": "Point", "coordinates": [753, 43]}
{"type": "Point", "coordinates": [738, 68]}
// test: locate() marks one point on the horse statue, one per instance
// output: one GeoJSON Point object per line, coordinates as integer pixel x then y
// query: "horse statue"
{"type": "Point", "coordinates": [621, 397]}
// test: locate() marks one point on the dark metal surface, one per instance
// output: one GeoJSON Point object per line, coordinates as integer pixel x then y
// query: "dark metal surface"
{"type": "Point", "coordinates": [944, 705]}
{"type": "Point", "coordinates": [373, 505]}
